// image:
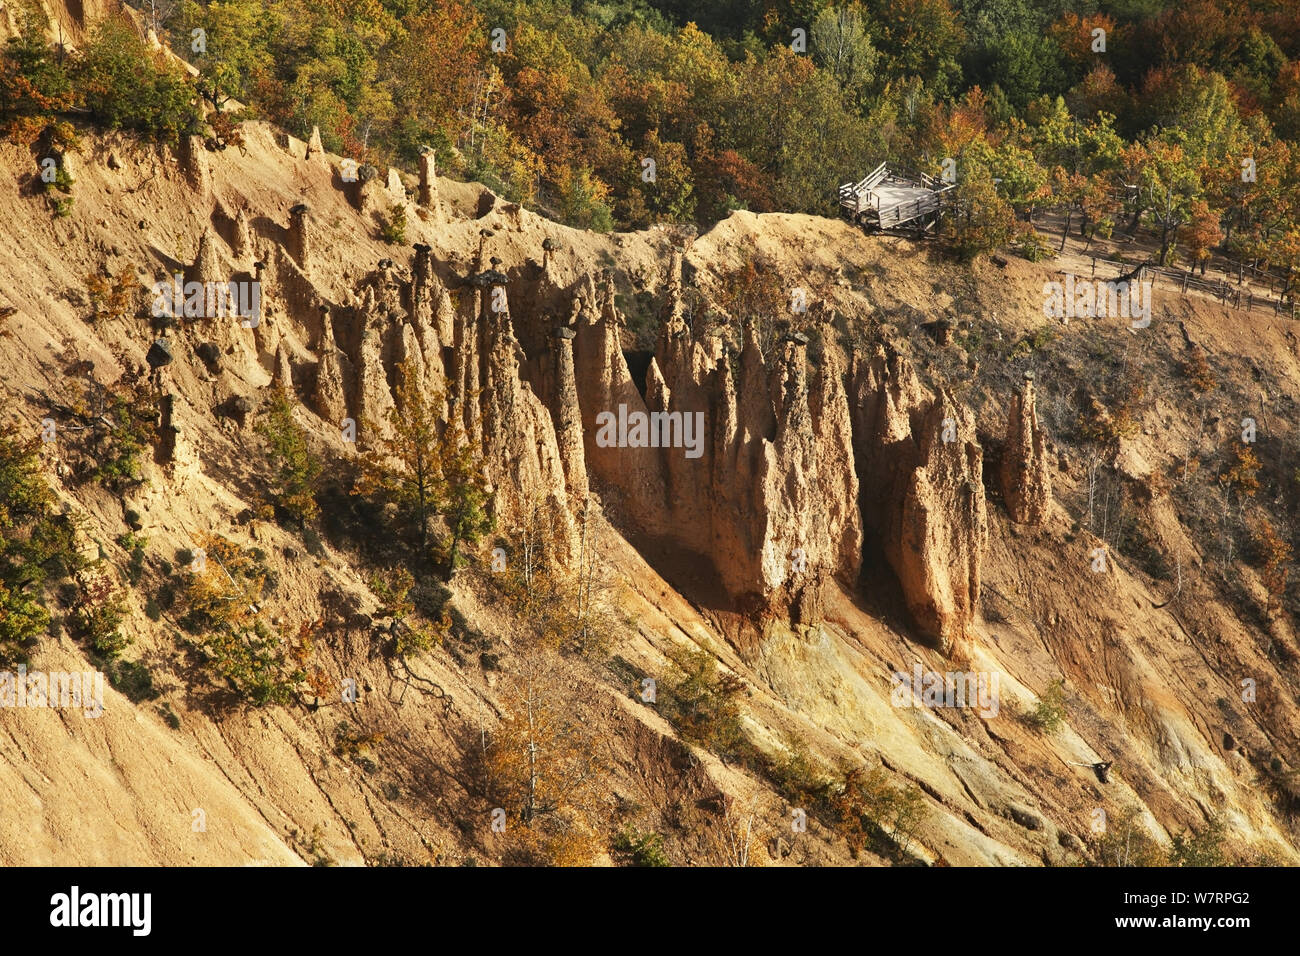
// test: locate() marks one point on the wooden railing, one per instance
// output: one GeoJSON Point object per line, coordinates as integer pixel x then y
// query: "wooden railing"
{"type": "Point", "coordinates": [1183, 281]}
{"type": "Point", "coordinates": [850, 193]}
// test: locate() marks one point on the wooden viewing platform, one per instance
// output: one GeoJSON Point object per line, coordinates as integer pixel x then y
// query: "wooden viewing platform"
{"type": "Point", "coordinates": [892, 197]}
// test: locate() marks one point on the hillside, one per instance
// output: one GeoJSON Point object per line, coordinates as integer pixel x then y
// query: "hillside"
{"type": "Point", "coordinates": [913, 469]}
{"type": "Point", "coordinates": [1154, 690]}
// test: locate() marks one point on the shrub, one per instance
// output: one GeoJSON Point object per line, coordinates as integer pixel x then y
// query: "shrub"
{"type": "Point", "coordinates": [62, 181]}
{"type": "Point", "coordinates": [352, 744]}
{"type": "Point", "coordinates": [34, 84]}
{"type": "Point", "coordinates": [1203, 848]}
{"type": "Point", "coordinates": [428, 471]}
{"type": "Point", "coordinates": [1274, 554]}
{"type": "Point", "coordinates": [1033, 245]}
{"type": "Point", "coordinates": [393, 587]}
{"type": "Point", "coordinates": [1242, 476]}
{"type": "Point", "coordinates": [1196, 369]}
{"type": "Point", "coordinates": [870, 810]}
{"type": "Point", "coordinates": [36, 543]}
{"type": "Point", "coordinates": [253, 660]}
{"type": "Point", "coordinates": [1049, 713]}
{"type": "Point", "coordinates": [99, 614]}
{"type": "Point", "coordinates": [110, 295]}
{"type": "Point", "coordinates": [119, 447]}
{"type": "Point", "coordinates": [634, 848]}
{"type": "Point", "coordinates": [703, 704]}
{"type": "Point", "coordinates": [223, 607]}
{"type": "Point", "coordinates": [582, 201]}
{"type": "Point", "coordinates": [134, 680]}
{"type": "Point", "coordinates": [393, 230]}
{"type": "Point", "coordinates": [311, 539]}
{"type": "Point", "coordinates": [133, 544]}
{"type": "Point", "coordinates": [1126, 842]}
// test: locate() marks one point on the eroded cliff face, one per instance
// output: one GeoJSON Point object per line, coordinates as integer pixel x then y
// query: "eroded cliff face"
{"type": "Point", "coordinates": [776, 471]}
{"type": "Point", "coordinates": [753, 471]}
{"type": "Point", "coordinates": [796, 466]}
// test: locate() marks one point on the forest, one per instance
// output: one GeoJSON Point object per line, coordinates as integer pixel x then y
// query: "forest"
{"type": "Point", "coordinates": [1180, 118]}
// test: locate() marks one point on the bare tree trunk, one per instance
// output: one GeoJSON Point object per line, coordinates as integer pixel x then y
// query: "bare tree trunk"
{"type": "Point", "coordinates": [531, 802]}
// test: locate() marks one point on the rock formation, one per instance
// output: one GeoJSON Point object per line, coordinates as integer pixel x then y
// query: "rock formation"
{"type": "Point", "coordinates": [301, 237]}
{"type": "Point", "coordinates": [943, 527]}
{"type": "Point", "coordinates": [396, 188]}
{"type": "Point", "coordinates": [374, 398]}
{"type": "Point", "coordinates": [568, 416]}
{"type": "Point", "coordinates": [428, 179]}
{"type": "Point", "coordinates": [333, 378]}
{"type": "Point", "coordinates": [193, 159]}
{"type": "Point", "coordinates": [315, 151]}
{"type": "Point", "coordinates": [753, 475]}
{"type": "Point", "coordinates": [243, 245]}
{"type": "Point", "coordinates": [522, 460]}
{"type": "Point", "coordinates": [284, 372]}
{"type": "Point", "coordinates": [777, 469]}
{"type": "Point", "coordinates": [919, 466]}
{"type": "Point", "coordinates": [1025, 476]}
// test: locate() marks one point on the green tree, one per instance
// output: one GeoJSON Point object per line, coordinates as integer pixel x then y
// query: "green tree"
{"type": "Point", "coordinates": [124, 84]}
{"type": "Point", "coordinates": [978, 219]}
{"type": "Point", "coordinates": [294, 469]}
{"type": "Point", "coordinates": [36, 542]}
{"type": "Point", "coordinates": [224, 606]}
{"type": "Point", "coordinates": [34, 83]}
{"type": "Point", "coordinates": [466, 499]}
{"type": "Point", "coordinates": [840, 44]}
{"type": "Point", "coordinates": [921, 38]}
{"type": "Point", "coordinates": [233, 51]}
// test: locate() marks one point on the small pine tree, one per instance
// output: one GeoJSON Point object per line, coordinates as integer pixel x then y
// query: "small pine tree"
{"type": "Point", "coordinates": [295, 470]}
{"type": "Point", "coordinates": [394, 228]}
{"type": "Point", "coordinates": [224, 608]}
{"type": "Point", "coordinates": [36, 543]}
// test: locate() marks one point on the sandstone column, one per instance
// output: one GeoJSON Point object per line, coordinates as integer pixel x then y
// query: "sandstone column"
{"type": "Point", "coordinates": [568, 416]}
{"type": "Point", "coordinates": [300, 235]}
{"type": "Point", "coordinates": [428, 179]}
{"type": "Point", "coordinates": [1025, 477]}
